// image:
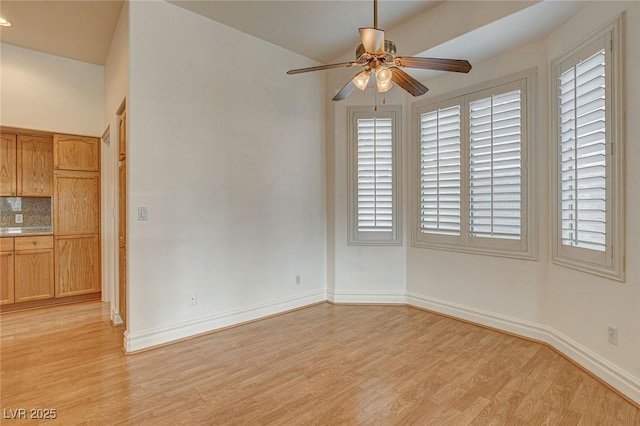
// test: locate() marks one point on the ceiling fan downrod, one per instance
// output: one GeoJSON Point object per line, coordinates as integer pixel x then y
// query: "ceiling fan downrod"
{"type": "Point", "coordinates": [375, 13]}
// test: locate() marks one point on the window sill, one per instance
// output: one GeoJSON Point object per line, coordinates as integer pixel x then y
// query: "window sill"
{"type": "Point", "coordinates": [511, 254]}
{"type": "Point", "coordinates": [590, 268]}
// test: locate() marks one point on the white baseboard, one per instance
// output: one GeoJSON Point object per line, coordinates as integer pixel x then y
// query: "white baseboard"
{"type": "Point", "coordinates": [366, 297]}
{"type": "Point", "coordinates": [618, 378]}
{"type": "Point", "coordinates": [157, 336]}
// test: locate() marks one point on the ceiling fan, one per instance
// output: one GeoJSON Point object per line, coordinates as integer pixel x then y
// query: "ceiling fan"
{"type": "Point", "coordinates": [378, 57]}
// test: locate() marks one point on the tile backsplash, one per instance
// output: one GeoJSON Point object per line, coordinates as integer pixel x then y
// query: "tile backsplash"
{"type": "Point", "coordinates": [36, 212]}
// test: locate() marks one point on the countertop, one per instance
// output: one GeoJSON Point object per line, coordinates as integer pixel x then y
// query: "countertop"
{"type": "Point", "coordinates": [26, 232]}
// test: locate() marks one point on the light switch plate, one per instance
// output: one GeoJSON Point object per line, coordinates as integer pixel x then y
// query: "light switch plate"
{"type": "Point", "coordinates": [19, 218]}
{"type": "Point", "coordinates": [143, 213]}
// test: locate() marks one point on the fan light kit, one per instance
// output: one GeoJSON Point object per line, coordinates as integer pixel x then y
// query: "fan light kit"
{"type": "Point", "coordinates": [378, 56]}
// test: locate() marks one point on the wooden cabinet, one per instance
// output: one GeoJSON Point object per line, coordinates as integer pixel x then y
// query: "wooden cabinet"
{"type": "Point", "coordinates": [34, 271]}
{"type": "Point", "coordinates": [35, 166]}
{"type": "Point", "coordinates": [76, 203]}
{"type": "Point", "coordinates": [27, 270]}
{"type": "Point", "coordinates": [26, 167]}
{"type": "Point", "coordinates": [76, 215]}
{"type": "Point", "coordinates": [77, 153]}
{"type": "Point", "coordinates": [67, 264]}
{"type": "Point", "coordinates": [8, 166]}
{"type": "Point", "coordinates": [77, 265]}
{"type": "Point", "coordinates": [6, 271]}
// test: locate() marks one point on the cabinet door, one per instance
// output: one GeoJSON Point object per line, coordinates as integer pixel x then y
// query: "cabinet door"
{"type": "Point", "coordinates": [33, 275]}
{"type": "Point", "coordinates": [76, 203]}
{"type": "Point", "coordinates": [76, 153]}
{"type": "Point", "coordinates": [8, 149]}
{"type": "Point", "coordinates": [35, 166]}
{"type": "Point", "coordinates": [77, 265]}
{"type": "Point", "coordinates": [6, 277]}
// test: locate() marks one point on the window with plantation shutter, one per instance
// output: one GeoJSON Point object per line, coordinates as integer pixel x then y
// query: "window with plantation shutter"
{"type": "Point", "coordinates": [440, 171]}
{"type": "Point", "coordinates": [588, 222]}
{"type": "Point", "coordinates": [375, 174]}
{"type": "Point", "coordinates": [374, 160]}
{"type": "Point", "coordinates": [495, 180]}
{"type": "Point", "coordinates": [583, 151]}
{"type": "Point", "coordinates": [473, 188]}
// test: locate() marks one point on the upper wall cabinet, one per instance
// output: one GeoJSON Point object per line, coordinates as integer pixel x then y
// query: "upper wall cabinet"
{"type": "Point", "coordinates": [78, 153]}
{"type": "Point", "coordinates": [35, 166]}
{"type": "Point", "coordinates": [8, 149]}
{"type": "Point", "coordinates": [26, 166]}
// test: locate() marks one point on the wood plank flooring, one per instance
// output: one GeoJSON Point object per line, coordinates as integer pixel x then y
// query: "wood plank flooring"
{"type": "Point", "coordinates": [325, 364]}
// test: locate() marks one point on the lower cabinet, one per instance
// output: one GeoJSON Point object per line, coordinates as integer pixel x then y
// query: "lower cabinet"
{"type": "Point", "coordinates": [33, 275]}
{"type": "Point", "coordinates": [27, 269]}
{"type": "Point", "coordinates": [77, 268]}
{"type": "Point", "coordinates": [6, 277]}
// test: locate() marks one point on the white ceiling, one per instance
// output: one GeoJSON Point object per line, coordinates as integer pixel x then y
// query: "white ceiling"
{"type": "Point", "coordinates": [500, 36]}
{"type": "Point", "coordinates": [319, 29]}
{"type": "Point", "coordinates": [323, 30]}
{"type": "Point", "coordinates": [79, 30]}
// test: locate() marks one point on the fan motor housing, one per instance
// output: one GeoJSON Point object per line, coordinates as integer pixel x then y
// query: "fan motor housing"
{"type": "Point", "coordinates": [389, 51]}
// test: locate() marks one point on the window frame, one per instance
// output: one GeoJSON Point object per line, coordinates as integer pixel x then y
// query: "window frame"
{"type": "Point", "coordinates": [367, 237]}
{"type": "Point", "coordinates": [526, 246]}
{"type": "Point", "coordinates": [610, 263]}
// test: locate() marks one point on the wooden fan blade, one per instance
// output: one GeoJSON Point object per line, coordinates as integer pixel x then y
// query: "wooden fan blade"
{"type": "Point", "coordinates": [345, 91]}
{"type": "Point", "coordinates": [408, 83]}
{"type": "Point", "coordinates": [455, 65]}
{"type": "Point", "coordinates": [322, 67]}
{"type": "Point", "coordinates": [372, 40]}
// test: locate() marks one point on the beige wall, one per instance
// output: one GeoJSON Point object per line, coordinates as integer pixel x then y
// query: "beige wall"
{"type": "Point", "coordinates": [227, 153]}
{"type": "Point", "coordinates": [50, 93]}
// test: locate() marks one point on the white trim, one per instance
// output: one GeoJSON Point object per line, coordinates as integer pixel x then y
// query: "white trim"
{"type": "Point", "coordinates": [354, 236]}
{"type": "Point", "coordinates": [107, 289]}
{"type": "Point", "coordinates": [169, 333]}
{"type": "Point", "coordinates": [375, 297]}
{"type": "Point", "coordinates": [611, 374]}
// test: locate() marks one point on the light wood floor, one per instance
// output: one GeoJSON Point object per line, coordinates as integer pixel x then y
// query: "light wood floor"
{"type": "Point", "coordinates": [321, 365]}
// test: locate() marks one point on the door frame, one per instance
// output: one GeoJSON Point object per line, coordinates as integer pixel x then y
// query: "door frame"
{"type": "Point", "coordinates": [110, 209]}
{"type": "Point", "coordinates": [122, 312]}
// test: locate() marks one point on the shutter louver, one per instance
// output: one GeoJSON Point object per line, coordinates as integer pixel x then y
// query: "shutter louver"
{"type": "Point", "coordinates": [495, 160]}
{"type": "Point", "coordinates": [375, 174]}
{"type": "Point", "coordinates": [440, 171]}
{"type": "Point", "coordinates": [583, 154]}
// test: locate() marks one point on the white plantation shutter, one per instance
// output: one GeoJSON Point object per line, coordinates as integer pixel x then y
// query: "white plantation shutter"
{"type": "Point", "coordinates": [473, 161]}
{"type": "Point", "coordinates": [588, 161]}
{"type": "Point", "coordinates": [583, 154]}
{"type": "Point", "coordinates": [374, 162]}
{"type": "Point", "coordinates": [495, 166]}
{"type": "Point", "coordinates": [375, 174]}
{"type": "Point", "coordinates": [440, 171]}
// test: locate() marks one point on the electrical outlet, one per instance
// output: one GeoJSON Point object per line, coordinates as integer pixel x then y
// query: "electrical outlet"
{"type": "Point", "coordinates": [612, 335]}
{"type": "Point", "coordinates": [19, 217]}
{"type": "Point", "coordinates": [193, 299]}
{"type": "Point", "coordinates": [297, 279]}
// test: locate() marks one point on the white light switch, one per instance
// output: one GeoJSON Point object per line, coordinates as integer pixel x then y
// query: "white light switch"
{"type": "Point", "coordinates": [143, 213]}
{"type": "Point", "coordinates": [19, 218]}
